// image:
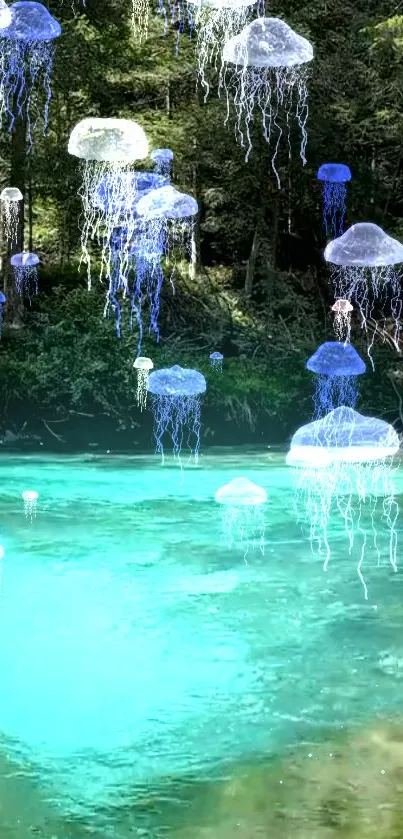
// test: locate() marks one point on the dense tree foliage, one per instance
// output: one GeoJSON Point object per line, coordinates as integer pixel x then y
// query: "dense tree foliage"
{"type": "Point", "coordinates": [261, 290]}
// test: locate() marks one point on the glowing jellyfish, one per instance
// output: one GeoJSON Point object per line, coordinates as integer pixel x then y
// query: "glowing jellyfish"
{"type": "Point", "coordinates": [107, 148]}
{"type": "Point", "coordinates": [162, 159]}
{"type": "Point", "coordinates": [243, 514]}
{"type": "Point", "coordinates": [336, 366]}
{"type": "Point", "coordinates": [176, 405]}
{"type": "Point", "coordinates": [216, 360]}
{"type": "Point", "coordinates": [364, 264]}
{"type": "Point", "coordinates": [266, 64]}
{"type": "Point", "coordinates": [344, 465]}
{"type": "Point", "coordinates": [30, 499]}
{"type": "Point", "coordinates": [142, 365]}
{"type": "Point", "coordinates": [25, 270]}
{"type": "Point", "coordinates": [10, 199]}
{"type": "Point", "coordinates": [2, 302]}
{"type": "Point", "coordinates": [342, 319]}
{"type": "Point", "coordinates": [5, 14]}
{"type": "Point", "coordinates": [216, 22]}
{"type": "Point", "coordinates": [26, 58]}
{"type": "Point", "coordinates": [334, 177]}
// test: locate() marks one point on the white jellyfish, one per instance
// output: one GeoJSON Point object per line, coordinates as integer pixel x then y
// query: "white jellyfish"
{"type": "Point", "coordinates": [265, 64]}
{"type": "Point", "coordinates": [365, 270]}
{"type": "Point", "coordinates": [30, 499]}
{"type": "Point", "coordinates": [107, 148]}
{"type": "Point", "coordinates": [10, 199]}
{"type": "Point", "coordinates": [243, 513]}
{"type": "Point", "coordinates": [342, 319]}
{"type": "Point", "coordinates": [5, 14]}
{"type": "Point", "coordinates": [142, 365]}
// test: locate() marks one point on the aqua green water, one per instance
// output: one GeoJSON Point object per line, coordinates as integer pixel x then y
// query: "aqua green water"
{"type": "Point", "coordinates": [135, 648]}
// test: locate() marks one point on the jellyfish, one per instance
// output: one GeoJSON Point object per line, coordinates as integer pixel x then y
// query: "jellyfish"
{"type": "Point", "coordinates": [142, 365]}
{"type": "Point", "coordinates": [107, 149]}
{"type": "Point", "coordinates": [336, 366]}
{"type": "Point", "coordinates": [26, 58]}
{"type": "Point", "coordinates": [266, 65]}
{"type": "Point", "coordinates": [2, 302]}
{"type": "Point", "coordinates": [344, 464]}
{"type": "Point", "coordinates": [147, 284]}
{"type": "Point", "coordinates": [334, 177]}
{"type": "Point", "coordinates": [10, 198]}
{"type": "Point", "coordinates": [243, 513]}
{"type": "Point", "coordinates": [365, 270]}
{"type": "Point", "coordinates": [342, 319]}
{"type": "Point", "coordinates": [162, 159]}
{"type": "Point", "coordinates": [30, 499]}
{"type": "Point", "coordinates": [216, 360]}
{"type": "Point", "coordinates": [5, 14]}
{"type": "Point", "coordinates": [176, 406]}
{"type": "Point", "coordinates": [25, 270]}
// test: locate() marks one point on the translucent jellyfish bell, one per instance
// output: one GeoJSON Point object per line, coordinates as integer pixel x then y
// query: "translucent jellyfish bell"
{"type": "Point", "coordinates": [336, 366]}
{"type": "Point", "coordinates": [243, 517]}
{"type": "Point", "coordinates": [364, 245]}
{"type": "Point", "coordinates": [162, 159]}
{"type": "Point", "coordinates": [142, 365]}
{"type": "Point", "coordinates": [30, 499]}
{"type": "Point", "coordinates": [10, 199]}
{"type": "Point", "coordinates": [175, 399]}
{"type": "Point", "coordinates": [167, 203]}
{"type": "Point", "coordinates": [216, 360]}
{"type": "Point", "coordinates": [5, 14]}
{"type": "Point", "coordinates": [108, 140]}
{"type": "Point", "coordinates": [25, 270]}
{"type": "Point", "coordinates": [342, 318]}
{"type": "Point", "coordinates": [334, 177]}
{"type": "Point", "coordinates": [266, 62]}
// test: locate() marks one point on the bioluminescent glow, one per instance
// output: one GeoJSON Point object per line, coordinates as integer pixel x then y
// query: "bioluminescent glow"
{"type": "Point", "coordinates": [107, 149]}
{"type": "Point", "coordinates": [26, 59]}
{"type": "Point", "coordinates": [365, 271]}
{"type": "Point", "coordinates": [176, 406]}
{"type": "Point", "coordinates": [216, 360]}
{"type": "Point", "coordinates": [342, 319]}
{"type": "Point", "coordinates": [5, 14]}
{"type": "Point", "coordinates": [243, 513]}
{"type": "Point", "coordinates": [2, 302]}
{"type": "Point", "coordinates": [10, 199]}
{"type": "Point", "coordinates": [30, 499]}
{"type": "Point", "coordinates": [142, 366]}
{"type": "Point", "coordinates": [25, 271]}
{"type": "Point", "coordinates": [344, 463]}
{"type": "Point", "coordinates": [334, 177]}
{"type": "Point", "coordinates": [336, 366]}
{"type": "Point", "coordinates": [162, 159]}
{"type": "Point", "coordinates": [265, 64]}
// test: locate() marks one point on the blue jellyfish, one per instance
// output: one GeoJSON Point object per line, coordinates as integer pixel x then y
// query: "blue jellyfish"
{"type": "Point", "coordinates": [26, 56]}
{"type": "Point", "coordinates": [334, 177]}
{"type": "Point", "coordinates": [216, 360]}
{"type": "Point", "coordinates": [336, 366]}
{"type": "Point", "coordinates": [344, 463]}
{"type": "Point", "coordinates": [176, 406]}
{"type": "Point", "coordinates": [25, 270]}
{"type": "Point", "coordinates": [162, 159]}
{"type": "Point", "coordinates": [243, 513]}
{"type": "Point", "coordinates": [2, 302]}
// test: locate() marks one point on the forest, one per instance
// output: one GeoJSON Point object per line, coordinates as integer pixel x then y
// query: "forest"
{"type": "Point", "coordinates": [259, 291]}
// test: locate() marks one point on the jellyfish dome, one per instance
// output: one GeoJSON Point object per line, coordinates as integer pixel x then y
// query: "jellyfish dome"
{"type": "Point", "coordinates": [25, 272]}
{"type": "Point", "coordinates": [162, 158]}
{"type": "Point", "coordinates": [334, 173]}
{"type": "Point", "coordinates": [108, 140]}
{"type": "Point", "coordinates": [5, 14]}
{"type": "Point", "coordinates": [176, 381]}
{"type": "Point", "coordinates": [335, 359]}
{"type": "Point", "coordinates": [31, 21]}
{"type": "Point", "coordinates": [24, 260]}
{"type": "Point", "coordinates": [243, 519]}
{"type": "Point", "coordinates": [364, 245]}
{"type": "Point", "coordinates": [342, 307]}
{"type": "Point", "coordinates": [175, 393]}
{"type": "Point", "coordinates": [11, 193]}
{"type": "Point", "coordinates": [241, 491]}
{"type": "Point", "coordinates": [167, 203]}
{"type": "Point", "coordinates": [143, 363]}
{"type": "Point", "coordinates": [10, 198]}
{"type": "Point", "coordinates": [266, 62]}
{"type": "Point", "coordinates": [334, 177]}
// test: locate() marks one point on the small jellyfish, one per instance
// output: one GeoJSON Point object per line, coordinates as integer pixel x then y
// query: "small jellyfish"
{"type": "Point", "coordinates": [25, 270]}
{"type": "Point", "coordinates": [10, 199]}
{"type": "Point", "coordinates": [243, 514]}
{"type": "Point", "coordinates": [2, 302]}
{"type": "Point", "coordinates": [336, 366]}
{"type": "Point", "coordinates": [142, 365]}
{"type": "Point", "coordinates": [334, 177]}
{"type": "Point", "coordinates": [176, 406]}
{"type": "Point", "coordinates": [342, 319]}
{"type": "Point", "coordinates": [162, 159]}
{"type": "Point", "coordinates": [216, 360]}
{"type": "Point", "coordinates": [30, 499]}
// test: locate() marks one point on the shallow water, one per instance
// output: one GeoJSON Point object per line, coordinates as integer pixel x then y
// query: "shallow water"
{"type": "Point", "coordinates": [142, 660]}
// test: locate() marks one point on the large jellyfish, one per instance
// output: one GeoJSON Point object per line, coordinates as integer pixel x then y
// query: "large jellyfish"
{"type": "Point", "coordinates": [107, 149]}
{"type": "Point", "coordinates": [342, 318]}
{"type": "Point", "coordinates": [364, 264]}
{"type": "Point", "coordinates": [2, 302]}
{"type": "Point", "coordinates": [334, 177]}
{"type": "Point", "coordinates": [25, 270]}
{"type": "Point", "coordinates": [10, 199]}
{"type": "Point", "coordinates": [162, 159]}
{"type": "Point", "coordinates": [26, 58]}
{"type": "Point", "coordinates": [243, 513]}
{"type": "Point", "coordinates": [336, 366]}
{"type": "Point", "coordinates": [176, 405]}
{"type": "Point", "coordinates": [5, 14]}
{"type": "Point", "coordinates": [216, 360]}
{"type": "Point", "coordinates": [265, 64]}
{"type": "Point", "coordinates": [142, 365]}
{"type": "Point", "coordinates": [344, 465]}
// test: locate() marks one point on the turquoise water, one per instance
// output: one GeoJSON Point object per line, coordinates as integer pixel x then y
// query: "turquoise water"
{"type": "Point", "coordinates": [137, 651]}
